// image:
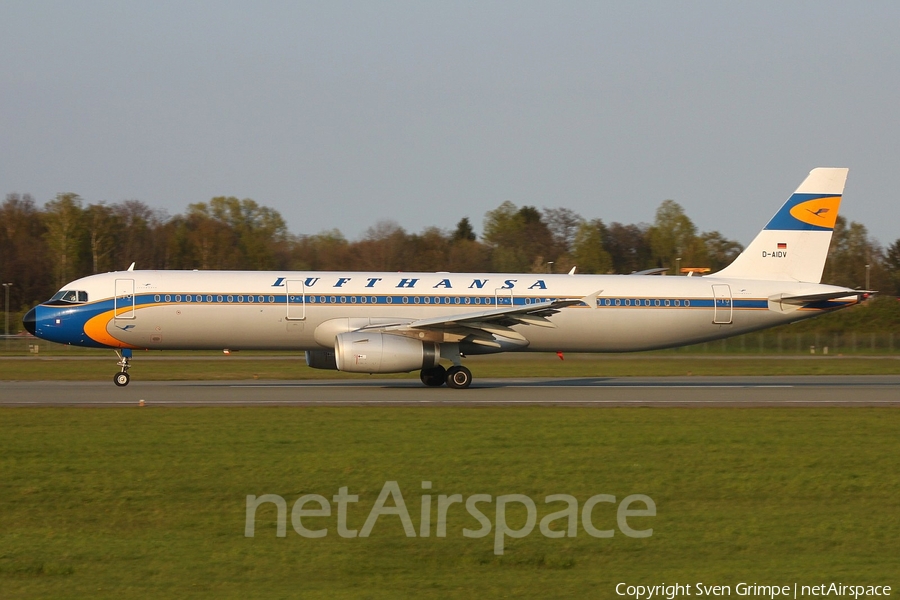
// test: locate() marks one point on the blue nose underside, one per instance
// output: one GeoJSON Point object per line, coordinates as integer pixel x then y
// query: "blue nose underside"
{"type": "Point", "coordinates": [29, 322]}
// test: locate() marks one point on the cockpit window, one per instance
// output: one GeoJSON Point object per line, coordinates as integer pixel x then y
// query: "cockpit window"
{"type": "Point", "coordinates": [69, 297]}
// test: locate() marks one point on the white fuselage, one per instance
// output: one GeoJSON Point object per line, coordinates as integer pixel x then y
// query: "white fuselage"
{"type": "Point", "coordinates": [305, 310]}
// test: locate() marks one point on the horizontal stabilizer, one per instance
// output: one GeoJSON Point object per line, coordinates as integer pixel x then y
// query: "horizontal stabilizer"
{"type": "Point", "coordinates": [803, 299]}
{"type": "Point", "coordinates": [789, 303]}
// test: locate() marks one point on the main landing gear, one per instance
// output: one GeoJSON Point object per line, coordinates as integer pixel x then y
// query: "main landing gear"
{"type": "Point", "coordinates": [433, 377]}
{"type": "Point", "coordinates": [457, 377]}
{"type": "Point", "coordinates": [122, 378]}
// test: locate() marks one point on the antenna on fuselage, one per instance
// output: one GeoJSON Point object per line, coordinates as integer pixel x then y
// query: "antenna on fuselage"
{"type": "Point", "coordinates": [131, 268]}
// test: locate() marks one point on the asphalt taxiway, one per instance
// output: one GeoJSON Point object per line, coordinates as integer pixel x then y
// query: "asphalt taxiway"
{"type": "Point", "coordinates": [818, 391]}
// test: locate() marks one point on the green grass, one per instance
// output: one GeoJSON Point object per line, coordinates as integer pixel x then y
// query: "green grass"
{"type": "Point", "coordinates": [136, 503]}
{"type": "Point", "coordinates": [154, 367]}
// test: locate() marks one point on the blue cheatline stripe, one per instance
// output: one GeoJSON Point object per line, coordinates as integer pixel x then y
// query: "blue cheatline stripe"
{"type": "Point", "coordinates": [428, 300]}
{"type": "Point", "coordinates": [148, 300]}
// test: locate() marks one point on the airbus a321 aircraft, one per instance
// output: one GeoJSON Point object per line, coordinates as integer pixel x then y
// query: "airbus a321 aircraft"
{"type": "Point", "coordinates": [401, 322]}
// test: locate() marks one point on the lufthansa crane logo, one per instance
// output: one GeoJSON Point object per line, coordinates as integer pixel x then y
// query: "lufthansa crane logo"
{"type": "Point", "coordinates": [818, 212]}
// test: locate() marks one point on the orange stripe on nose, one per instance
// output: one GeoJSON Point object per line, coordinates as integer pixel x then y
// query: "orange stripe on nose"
{"type": "Point", "coordinates": [96, 329]}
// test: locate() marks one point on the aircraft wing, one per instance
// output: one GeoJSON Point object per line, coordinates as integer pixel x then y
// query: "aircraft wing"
{"type": "Point", "coordinates": [657, 271]}
{"type": "Point", "coordinates": [484, 327]}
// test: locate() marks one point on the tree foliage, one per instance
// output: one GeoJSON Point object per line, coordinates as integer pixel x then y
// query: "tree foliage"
{"type": "Point", "coordinates": [64, 234]}
{"type": "Point", "coordinates": [673, 236]}
{"type": "Point", "coordinates": [589, 252]}
{"type": "Point", "coordinates": [892, 268]}
{"type": "Point", "coordinates": [850, 251]}
{"type": "Point", "coordinates": [41, 249]}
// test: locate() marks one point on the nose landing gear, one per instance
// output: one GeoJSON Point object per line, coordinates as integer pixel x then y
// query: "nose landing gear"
{"type": "Point", "coordinates": [122, 378]}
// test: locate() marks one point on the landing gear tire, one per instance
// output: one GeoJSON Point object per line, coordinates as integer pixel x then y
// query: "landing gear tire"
{"type": "Point", "coordinates": [433, 377]}
{"type": "Point", "coordinates": [122, 378]}
{"type": "Point", "coordinates": [459, 378]}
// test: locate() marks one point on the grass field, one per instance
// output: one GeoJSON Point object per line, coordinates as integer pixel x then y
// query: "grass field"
{"type": "Point", "coordinates": [157, 367]}
{"type": "Point", "coordinates": [137, 503]}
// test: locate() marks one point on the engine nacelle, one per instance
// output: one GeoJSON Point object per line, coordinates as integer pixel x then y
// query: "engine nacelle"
{"type": "Point", "coordinates": [361, 352]}
{"type": "Point", "coordinates": [321, 359]}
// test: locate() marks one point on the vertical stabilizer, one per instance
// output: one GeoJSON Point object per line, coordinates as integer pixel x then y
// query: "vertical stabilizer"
{"type": "Point", "coordinates": [794, 245]}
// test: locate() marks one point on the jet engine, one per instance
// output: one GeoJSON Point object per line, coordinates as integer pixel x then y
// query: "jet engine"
{"type": "Point", "coordinates": [362, 352]}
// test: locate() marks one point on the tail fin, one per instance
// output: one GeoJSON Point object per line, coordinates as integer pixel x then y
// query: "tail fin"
{"type": "Point", "coordinates": [794, 245]}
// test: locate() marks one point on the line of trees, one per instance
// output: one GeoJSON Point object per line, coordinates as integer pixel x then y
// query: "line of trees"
{"type": "Point", "coordinates": [41, 249]}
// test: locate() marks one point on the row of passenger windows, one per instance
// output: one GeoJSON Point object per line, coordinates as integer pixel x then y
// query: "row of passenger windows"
{"type": "Point", "coordinates": [212, 298]}
{"type": "Point", "coordinates": [404, 300]}
{"type": "Point", "coordinates": [331, 299]}
{"type": "Point", "coordinates": [644, 302]}
{"type": "Point", "coordinates": [252, 299]}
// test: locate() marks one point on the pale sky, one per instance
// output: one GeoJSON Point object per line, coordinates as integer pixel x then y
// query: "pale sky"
{"type": "Point", "coordinates": [341, 114]}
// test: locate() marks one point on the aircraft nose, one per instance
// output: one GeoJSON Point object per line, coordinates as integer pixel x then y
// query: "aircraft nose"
{"type": "Point", "coordinates": [29, 321]}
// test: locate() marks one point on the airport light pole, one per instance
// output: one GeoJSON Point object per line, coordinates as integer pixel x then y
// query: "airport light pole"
{"type": "Point", "coordinates": [6, 287]}
{"type": "Point", "coordinates": [678, 266]}
{"type": "Point", "coordinates": [868, 267]}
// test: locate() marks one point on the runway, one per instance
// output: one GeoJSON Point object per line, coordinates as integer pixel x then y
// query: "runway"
{"type": "Point", "coordinates": [814, 391]}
